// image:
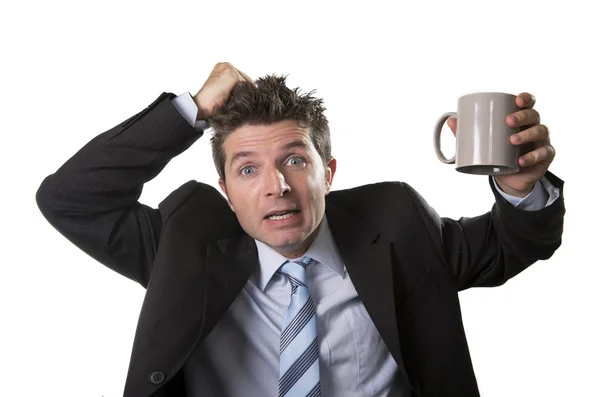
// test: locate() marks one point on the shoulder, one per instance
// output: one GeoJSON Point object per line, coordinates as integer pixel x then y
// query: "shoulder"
{"type": "Point", "coordinates": [180, 196]}
{"type": "Point", "coordinates": [194, 196]}
{"type": "Point", "coordinates": [387, 203]}
{"type": "Point", "coordinates": [375, 204]}
{"type": "Point", "coordinates": [198, 210]}
{"type": "Point", "coordinates": [374, 196]}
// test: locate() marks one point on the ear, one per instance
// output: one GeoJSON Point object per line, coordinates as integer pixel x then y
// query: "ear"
{"type": "Point", "coordinates": [224, 190]}
{"type": "Point", "coordinates": [329, 174]}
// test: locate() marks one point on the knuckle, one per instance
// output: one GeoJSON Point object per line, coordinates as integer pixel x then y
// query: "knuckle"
{"type": "Point", "coordinates": [223, 66]}
{"type": "Point", "coordinates": [544, 153]}
{"type": "Point", "coordinates": [232, 72]}
{"type": "Point", "coordinates": [520, 115]}
{"type": "Point", "coordinates": [538, 133]}
{"type": "Point", "coordinates": [532, 157]}
{"type": "Point", "coordinates": [529, 115]}
{"type": "Point", "coordinates": [545, 130]}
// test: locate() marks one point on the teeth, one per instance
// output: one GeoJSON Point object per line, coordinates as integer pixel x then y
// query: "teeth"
{"type": "Point", "coordinates": [280, 217]}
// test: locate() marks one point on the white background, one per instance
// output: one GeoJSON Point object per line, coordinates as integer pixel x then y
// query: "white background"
{"type": "Point", "coordinates": [71, 70]}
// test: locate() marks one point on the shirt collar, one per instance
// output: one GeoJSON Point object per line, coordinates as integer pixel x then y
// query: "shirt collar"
{"type": "Point", "coordinates": [322, 249]}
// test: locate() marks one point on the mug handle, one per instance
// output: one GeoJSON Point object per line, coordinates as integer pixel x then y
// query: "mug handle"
{"type": "Point", "coordinates": [437, 131]}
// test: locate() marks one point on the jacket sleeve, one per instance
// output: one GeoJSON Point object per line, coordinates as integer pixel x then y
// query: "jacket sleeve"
{"type": "Point", "coordinates": [490, 249]}
{"type": "Point", "coordinates": [93, 198]}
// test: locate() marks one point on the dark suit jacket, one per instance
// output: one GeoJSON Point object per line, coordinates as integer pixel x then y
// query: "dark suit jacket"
{"type": "Point", "coordinates": [406, 262]}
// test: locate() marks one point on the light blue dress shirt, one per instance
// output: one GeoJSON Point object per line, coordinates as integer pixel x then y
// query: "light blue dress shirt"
{"type": "Point", "coordinates": [240, 357]}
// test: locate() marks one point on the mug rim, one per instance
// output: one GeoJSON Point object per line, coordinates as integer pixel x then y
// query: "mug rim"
{"type": "Point", "coordinates": [489, 93]}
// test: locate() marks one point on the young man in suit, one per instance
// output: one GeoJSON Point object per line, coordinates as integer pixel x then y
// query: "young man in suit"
{"type": "Point", "coordinates": [286, 288]}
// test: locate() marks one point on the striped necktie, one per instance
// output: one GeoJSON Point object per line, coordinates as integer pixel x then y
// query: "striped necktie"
{"type": "Point", "coordinates": [299, 347]}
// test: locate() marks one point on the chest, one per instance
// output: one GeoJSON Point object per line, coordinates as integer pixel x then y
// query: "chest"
{"type": "Point", "coordinates": [352, 356]}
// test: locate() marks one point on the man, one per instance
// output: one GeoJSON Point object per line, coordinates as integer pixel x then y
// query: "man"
{"type": "Point", "coordinates": [286, 288]}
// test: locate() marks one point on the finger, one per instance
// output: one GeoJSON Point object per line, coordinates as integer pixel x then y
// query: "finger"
{"type": "Point", "coordinates": [536, 133]}
{"type": "Point", "coordinates": [523, 117]}
{"type": "Point", "coordinates": [452, 124]}
{"type": "Point", "coordinates": [543, 154]}
{"type": "Point", "coordinates": [525, 100]}
{"type": "Point", "coordinates": [221, 67]}
{"type": "Point", "coordinates": [239, 77]}
{"type": "Point", "coordinates": [246, 77]}
{"type": "Point", "coordinates": [225, 70]}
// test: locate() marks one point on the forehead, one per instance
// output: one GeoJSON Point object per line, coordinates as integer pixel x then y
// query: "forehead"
{"type": "Point", "coordinates": [265, 138]}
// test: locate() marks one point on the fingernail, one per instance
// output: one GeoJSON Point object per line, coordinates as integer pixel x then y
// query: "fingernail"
{"type": "Point", "coordinates": [514, 119]}
{"type": "Point", "coordinates": [516, 138]}
{"type": "Point", "coordinates": [521, 162]}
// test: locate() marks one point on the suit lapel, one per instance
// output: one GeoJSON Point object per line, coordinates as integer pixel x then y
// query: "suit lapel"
{"type": "Point", "coordinates": [367, 256]}
{"type": "Point", "coordinates": [229, 264]}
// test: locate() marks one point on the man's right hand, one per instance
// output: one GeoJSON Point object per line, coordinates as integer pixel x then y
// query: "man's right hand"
{"type": "Point", "coordinates": [217, 87]}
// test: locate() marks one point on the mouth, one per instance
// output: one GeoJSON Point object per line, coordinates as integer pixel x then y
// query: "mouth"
{"type": "Point", "coordinates": [281, 215]}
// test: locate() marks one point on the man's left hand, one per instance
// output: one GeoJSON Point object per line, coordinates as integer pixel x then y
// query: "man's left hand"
{"type": "Point", "coordinates": [538, 153]}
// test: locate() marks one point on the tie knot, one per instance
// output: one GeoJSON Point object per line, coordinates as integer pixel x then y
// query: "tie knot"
{"type": "Point", "coordinates": [296, 270]}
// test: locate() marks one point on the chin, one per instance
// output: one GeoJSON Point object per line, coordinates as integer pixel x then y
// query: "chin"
{"type": "Point", "coordinates": [288, 243]}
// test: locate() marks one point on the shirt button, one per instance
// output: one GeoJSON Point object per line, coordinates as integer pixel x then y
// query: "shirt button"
{"type": "Point", "coordinates": [157, 377]}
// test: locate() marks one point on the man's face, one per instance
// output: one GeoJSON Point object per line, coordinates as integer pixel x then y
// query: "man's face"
{"type": "Point", "coordinates": [276, 184]}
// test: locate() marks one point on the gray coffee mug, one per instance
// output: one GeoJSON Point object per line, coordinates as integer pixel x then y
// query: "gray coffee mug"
{"type": "Point", "coordinates": [482, 136]}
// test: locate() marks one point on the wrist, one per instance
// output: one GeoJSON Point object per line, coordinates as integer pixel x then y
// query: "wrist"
{"type": "Point", "coordinates": [515, 192]}
{"type": "Point", "coordinates": [202, 113]}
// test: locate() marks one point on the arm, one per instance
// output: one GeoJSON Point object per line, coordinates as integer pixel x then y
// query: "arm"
{"type": "Point", "coordinates": [93, 198]}
{"type": "Point", "coordinates": [488, 250]}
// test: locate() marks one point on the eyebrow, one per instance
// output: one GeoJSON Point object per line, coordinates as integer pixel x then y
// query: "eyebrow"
{"type": "Point", "coordinates": [240, 155]}
{"type": "Point", "coordinates": [291, 145]}
{"type": "Point", "coordinates": [297, 144]}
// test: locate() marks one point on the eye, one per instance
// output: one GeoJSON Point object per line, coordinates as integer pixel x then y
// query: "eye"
{"type": "Point", "coordinates": [295, 161]}
{"type": "Point", "coordinates": [246, 171]}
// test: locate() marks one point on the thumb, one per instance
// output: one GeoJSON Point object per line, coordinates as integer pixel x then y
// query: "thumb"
{"type": "Point", "coordinates": [452, 124]}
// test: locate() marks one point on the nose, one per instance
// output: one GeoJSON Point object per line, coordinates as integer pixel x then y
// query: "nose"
{"type": "Point", "coordinates": [276, 184]}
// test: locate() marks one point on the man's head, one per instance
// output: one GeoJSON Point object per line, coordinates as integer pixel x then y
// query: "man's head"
{"type": "Point", "coordinates": [272, 149]}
